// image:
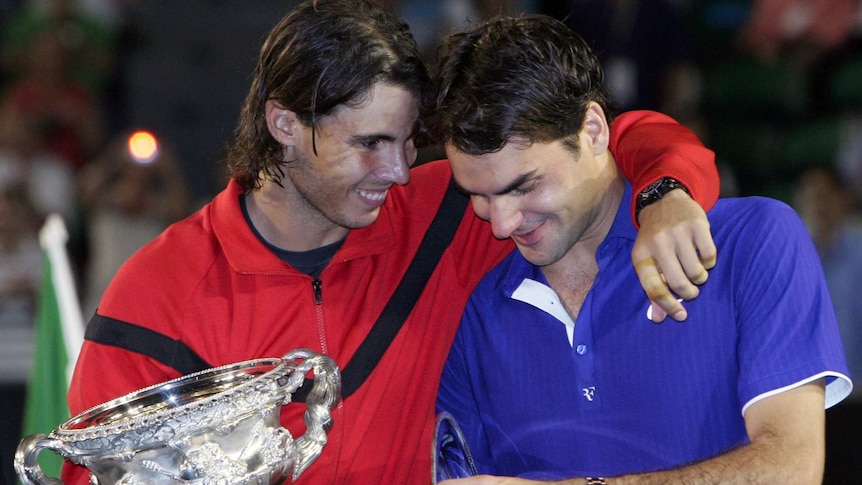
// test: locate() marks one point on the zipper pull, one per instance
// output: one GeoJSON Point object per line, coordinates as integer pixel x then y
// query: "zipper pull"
{"type": "Point", "coordinates": [317, 287]}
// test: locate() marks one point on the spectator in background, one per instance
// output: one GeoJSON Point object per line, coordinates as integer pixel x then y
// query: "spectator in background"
{"type": "Point", "coordinates": [646, 50]}
{"type": "Point", "coordinates": [128, 201]}
{"type": "Point", "coordinates": [849, 157]}
{"type": "Point", "coordinates": [829, 211]}
{"type": "Point", "coordinates": [814, 37]}
{"type": "Point", "coordinates": [832, 216]}
{"type": "Point", "coordinates": [63, 112]}
{"type": "Point", "coordinates": [107, 15]}
{"type": "Point", "coordinates": [25, 160]}
{"type": "Point", "coordinates": [799, 29]}
{"type": "Point", "coordinates": [20, 272]}
{"type": "Point", "coordinates": [431, 20]}
{"type": "Point", "coordinates": [88, 42]}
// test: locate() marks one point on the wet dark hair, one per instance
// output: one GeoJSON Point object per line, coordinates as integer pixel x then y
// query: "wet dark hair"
{"type": "Point", "coordinates": [322, 55]}
{"type": "Point", "coordinates": [527, 78]}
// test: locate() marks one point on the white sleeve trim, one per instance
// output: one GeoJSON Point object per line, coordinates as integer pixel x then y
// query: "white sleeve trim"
{"type": "Point", "coordinates": [836, 391]}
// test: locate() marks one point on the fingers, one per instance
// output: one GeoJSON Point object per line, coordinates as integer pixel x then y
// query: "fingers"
{"type": "Point", "coordinates": [667, 305]}
{"type": "Point", "coordinates": [682, 272]}
{"type": "Point", "coordinates": [677, 265]}
{"type": "Point", "coordinates": [695, 259]}
{"type": "Point", "coordinates": [663, 301]}
{"type": "Point", "coordinates": [681, 260]}
{"type": "Point", "coordinates": [705, 246]}
{"type": "Point", "coordinates": [673, 254]}
{"type": "Point", "coordinates": [656, 313]}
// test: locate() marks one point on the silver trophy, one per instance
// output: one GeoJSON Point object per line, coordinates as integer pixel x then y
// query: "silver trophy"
{"type": "Point", "coordinates": [215, 427]}
{"type": "Point", "coordinates": [450, 455]}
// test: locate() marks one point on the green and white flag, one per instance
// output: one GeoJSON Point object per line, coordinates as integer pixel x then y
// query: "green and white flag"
{"type": "Point", "coordinates": [57, 339]}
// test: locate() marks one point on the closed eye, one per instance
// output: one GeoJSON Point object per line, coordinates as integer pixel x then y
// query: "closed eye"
{"type": "Point", "coordinates": [523, 185]}
{"type": "Point", "coordinates": [524, 190]}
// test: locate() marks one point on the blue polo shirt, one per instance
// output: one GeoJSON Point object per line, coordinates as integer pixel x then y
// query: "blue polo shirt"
{"type": "Point", "coordinates": [541, 396]}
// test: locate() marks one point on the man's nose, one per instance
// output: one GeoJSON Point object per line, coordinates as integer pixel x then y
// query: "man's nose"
{"type": "Point", "coordinates": [395, 168]}
{"type": "Point", "coordinates": [505, 217]}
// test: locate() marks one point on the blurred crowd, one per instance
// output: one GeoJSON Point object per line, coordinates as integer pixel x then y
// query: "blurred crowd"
{"type": "Point", "coordinates": [773, 86]}
{"type": "Point", "coordinates": [63, 150]}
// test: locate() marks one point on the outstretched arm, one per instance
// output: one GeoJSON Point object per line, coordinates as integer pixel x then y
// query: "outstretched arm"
{"type": "Point", "coordinates": [674, 248]}
{"type": "Point", "coordinates": [787, 445]}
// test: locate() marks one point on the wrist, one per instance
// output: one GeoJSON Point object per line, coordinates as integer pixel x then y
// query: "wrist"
{"type": "Point", "coordinates": [655, 192]}
{"type": "Point", "coordinates": [595, 481]}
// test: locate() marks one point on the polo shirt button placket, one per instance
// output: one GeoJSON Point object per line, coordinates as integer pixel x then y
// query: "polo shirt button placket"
{"type": "Point", "coordinates": [586, 378]}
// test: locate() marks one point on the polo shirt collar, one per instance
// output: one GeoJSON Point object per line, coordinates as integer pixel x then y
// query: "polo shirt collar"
{"type": "Point", "coordinates": [622, 225]}
{"type": "Point", "coordinates": [526, 283]}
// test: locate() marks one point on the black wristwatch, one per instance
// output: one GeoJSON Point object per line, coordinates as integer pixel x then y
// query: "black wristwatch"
{"type": "Point", "coordinates": [655, 191]}
{"type": "Point", "coordinates": [596, 481]}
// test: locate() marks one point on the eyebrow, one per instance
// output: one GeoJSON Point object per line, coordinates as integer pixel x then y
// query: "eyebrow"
{"type": "Point", "coordinates": [512, 186]}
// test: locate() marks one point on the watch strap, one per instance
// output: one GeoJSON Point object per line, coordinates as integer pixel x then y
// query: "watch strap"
{"type": "Point", "coordinates": [655, 191]}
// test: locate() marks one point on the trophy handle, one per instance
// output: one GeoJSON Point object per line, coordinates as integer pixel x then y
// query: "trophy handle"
{"type": "Point", "coordinates": [320, 400]}
{"type": "Point", "coordinates": [28, 468]}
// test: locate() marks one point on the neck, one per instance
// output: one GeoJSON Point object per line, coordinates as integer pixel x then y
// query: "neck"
{"type": "Point", "coordinates": [582, 255]}
{"type": "Point", "coordinates": [573, 275]}
{"type": "Point", "coordinates": [279, 216]}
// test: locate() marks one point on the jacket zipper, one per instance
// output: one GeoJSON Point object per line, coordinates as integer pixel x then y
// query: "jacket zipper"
{"type": "Point", "coordinates": [317, 288]}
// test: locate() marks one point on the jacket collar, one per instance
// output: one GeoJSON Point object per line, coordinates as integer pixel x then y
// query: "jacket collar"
{"type": "Point", "coordinates": [247, 254]}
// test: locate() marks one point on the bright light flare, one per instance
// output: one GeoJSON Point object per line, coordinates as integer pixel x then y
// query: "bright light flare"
{"type": "Point", "coordinates": [143, 147]}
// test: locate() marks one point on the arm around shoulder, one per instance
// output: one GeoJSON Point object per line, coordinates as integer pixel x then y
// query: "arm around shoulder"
{"type": "Point", "coordinates": [674, 247]}
{"type": "Point", "coordinates": [649, 145]}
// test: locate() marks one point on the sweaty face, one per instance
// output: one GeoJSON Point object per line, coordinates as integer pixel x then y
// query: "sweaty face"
{"type": "Point", "coordinates": [543, 196]}
{"type": "Point", "coordinates": [361, 153]}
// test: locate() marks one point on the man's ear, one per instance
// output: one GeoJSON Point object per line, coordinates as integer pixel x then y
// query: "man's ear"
{"type": "Point", "coordinates": [282, 123]}
{"type": "Point", "coordinates": [596, 128]}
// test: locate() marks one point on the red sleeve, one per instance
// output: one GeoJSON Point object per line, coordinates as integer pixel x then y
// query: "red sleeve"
{"type": "Point", "coordinates": [75, 474]}
{"type": "Point", "coordinates": [649, 145]}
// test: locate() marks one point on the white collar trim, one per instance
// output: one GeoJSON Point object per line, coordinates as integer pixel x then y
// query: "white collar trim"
{"type": "Point", "coordinates": [544, 298]}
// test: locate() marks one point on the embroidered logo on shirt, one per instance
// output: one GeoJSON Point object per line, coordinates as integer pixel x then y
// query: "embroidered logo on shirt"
{"type": "Point", "coordinates": [589, 392]}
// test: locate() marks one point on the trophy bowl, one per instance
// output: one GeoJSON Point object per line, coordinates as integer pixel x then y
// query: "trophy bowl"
{"type": "Point", "coordinates": [219, 426]}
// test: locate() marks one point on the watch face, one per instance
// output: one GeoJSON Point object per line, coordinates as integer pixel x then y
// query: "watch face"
{"type": "Point", "coordinates": [653, 187]}
{"type": "Point", "coordinates": [451, 456]}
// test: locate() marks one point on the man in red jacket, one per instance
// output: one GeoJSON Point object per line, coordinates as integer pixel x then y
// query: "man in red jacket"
{"type": "Point", "coordinates": [317, 227]}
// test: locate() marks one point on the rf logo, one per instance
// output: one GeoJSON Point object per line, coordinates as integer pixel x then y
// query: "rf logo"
{"type": "Point", "coordinates": [589, 392]}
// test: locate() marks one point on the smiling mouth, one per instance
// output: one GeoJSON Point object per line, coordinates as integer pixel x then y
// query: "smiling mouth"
{"type": "Point", "coordinates": [523, 240]}
{"type": "Point", "coordinates": [527, 238]}
{"type": "Point", "coordinates": [372, 195]}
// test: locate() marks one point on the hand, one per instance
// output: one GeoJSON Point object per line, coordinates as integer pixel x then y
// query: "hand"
{"type": "Point", "coordinates": [672, 253]}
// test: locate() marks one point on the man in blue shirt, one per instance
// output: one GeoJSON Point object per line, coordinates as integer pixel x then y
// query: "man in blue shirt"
{"type": "Point", "coordinates": [557, 371]}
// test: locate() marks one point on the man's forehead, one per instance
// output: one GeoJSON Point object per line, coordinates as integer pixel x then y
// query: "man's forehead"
{"type": "Point", "coordinates": [494, 173]}
{"type": "Point", "coordinates": [382, 109]}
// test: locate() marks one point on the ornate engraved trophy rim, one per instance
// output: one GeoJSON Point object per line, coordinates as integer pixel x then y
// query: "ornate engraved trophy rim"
{"type": "Point", "coordinates": [219, 425]}
{"type": "Point", "coordinates": [255, 394]}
